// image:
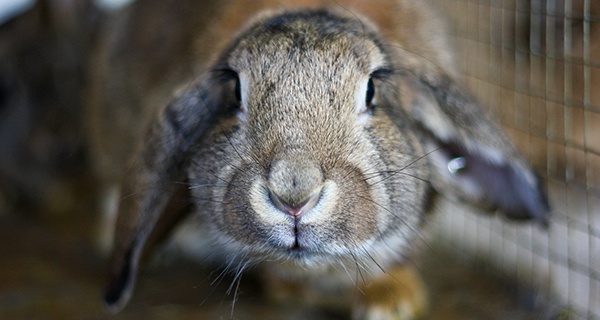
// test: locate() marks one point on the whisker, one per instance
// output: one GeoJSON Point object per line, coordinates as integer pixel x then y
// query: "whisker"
{"type": "Point", "coordinates": [228, 183]}
{"type": "Point", "coordinates": [208, 185]}
{"type": "Point", "coordinates": [368, 254]}
{"type": "Point", "coordinates": [413, 229]}
{"type": "Point", "coordinates": [408, 165]}
{"type": "Point", "coordinates": [392, 173]}
{"type": "Point", "coordinates": [237, 279]}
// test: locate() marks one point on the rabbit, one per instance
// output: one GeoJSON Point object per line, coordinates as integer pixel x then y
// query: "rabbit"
{"type": "Point", "coordinates": [307, 139]}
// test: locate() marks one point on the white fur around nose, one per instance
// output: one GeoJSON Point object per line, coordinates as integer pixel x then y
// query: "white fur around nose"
{"type": "Point", "coordinates": [280, 225]}
{"type": "Point", "coordinates": [294, 181]}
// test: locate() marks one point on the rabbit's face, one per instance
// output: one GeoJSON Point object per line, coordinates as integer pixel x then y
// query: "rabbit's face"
{"type": "Point", "coordinates": [310, 166]}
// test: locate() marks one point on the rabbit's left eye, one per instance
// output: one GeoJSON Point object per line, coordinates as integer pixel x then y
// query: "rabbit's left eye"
{"type": "Point", "coordinates": [370, 92]}
{"type": "Point", "coordinates": [379, 75]}
{"type": "Point", "coordinates": [366, 92]}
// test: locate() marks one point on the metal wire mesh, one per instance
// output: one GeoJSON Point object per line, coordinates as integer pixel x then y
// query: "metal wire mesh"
{"type": "Point", "coordinates": [536, 65]}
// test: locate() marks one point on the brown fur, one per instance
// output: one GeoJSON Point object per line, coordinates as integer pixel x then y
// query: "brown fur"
{"type": "Point", "coordinates": [301, 141]}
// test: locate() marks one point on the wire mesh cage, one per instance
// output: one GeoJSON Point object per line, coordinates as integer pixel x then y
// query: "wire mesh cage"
{"type": "Point", "coordinates": [536, 65]}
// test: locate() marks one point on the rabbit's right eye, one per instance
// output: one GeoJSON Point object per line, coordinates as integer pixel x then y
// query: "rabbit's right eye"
{"type": "Point", "coordinates": [370, 92]}
{"type": "Point", "coordinates": [231, 80]}
{"type": "Point", "coordinates": [237, 89]}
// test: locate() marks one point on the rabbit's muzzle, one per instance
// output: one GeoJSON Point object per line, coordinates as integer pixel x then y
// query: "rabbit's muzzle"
{"type": "Point", "coordinates": [294, 186]}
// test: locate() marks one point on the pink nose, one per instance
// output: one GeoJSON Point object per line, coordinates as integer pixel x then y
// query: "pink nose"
{"type": "Point", "coordinates": [295, 210]}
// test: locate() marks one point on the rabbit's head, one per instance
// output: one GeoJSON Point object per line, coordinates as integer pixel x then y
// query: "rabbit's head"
{"type": "Point", "coordinates": [309, 165]}
{"type": "Point", "coordinates": [315, 139]}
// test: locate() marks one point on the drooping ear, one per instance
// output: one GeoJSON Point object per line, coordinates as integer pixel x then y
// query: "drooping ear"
{"type": "Point", "coordinates": [147, 187]}
{"type": "Point", "coordinates": [471, 157]}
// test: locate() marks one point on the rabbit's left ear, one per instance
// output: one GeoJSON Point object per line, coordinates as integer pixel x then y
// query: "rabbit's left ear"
{"type": "Point", "coordinates": [471, 157]}
{"type": "Point", "coordinates": [153, 170]}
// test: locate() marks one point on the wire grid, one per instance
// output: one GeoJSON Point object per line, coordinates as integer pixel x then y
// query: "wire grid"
{"type": "Point", "coordinates": [535, 64]}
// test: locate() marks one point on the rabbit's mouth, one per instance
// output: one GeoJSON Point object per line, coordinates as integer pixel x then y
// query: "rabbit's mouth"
{"type": "Point", "coordinates": [301, 253]}
{"type": "Point", "coordinates": [294, 227]}
{"type": "Point", "coordinates": [310, 230]}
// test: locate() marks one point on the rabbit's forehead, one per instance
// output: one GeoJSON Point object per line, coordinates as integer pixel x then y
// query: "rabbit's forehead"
{"type": "Point", "coordinates": [336, 60]}
{"type": "Point", "coordinates": [306, 47]}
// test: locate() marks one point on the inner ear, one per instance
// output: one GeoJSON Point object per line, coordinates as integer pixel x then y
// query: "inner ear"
{"type": "Point", "coordinates": [487, 184]}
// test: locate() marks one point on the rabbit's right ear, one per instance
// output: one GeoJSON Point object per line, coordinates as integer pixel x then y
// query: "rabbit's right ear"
{"type": "Point", "coordinates": [153, 171]}
{"type": "Point", "coordinates": [471, 157]}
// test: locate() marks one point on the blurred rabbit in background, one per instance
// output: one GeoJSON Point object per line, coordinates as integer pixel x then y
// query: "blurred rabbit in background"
{"type": "Point", "coordinates": [43, 58]}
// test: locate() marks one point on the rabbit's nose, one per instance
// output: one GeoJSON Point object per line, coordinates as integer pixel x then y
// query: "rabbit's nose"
{"type": "Point", "coordinates": [294, 185]}
{"type": "Point", "coordinates": [295, 210]}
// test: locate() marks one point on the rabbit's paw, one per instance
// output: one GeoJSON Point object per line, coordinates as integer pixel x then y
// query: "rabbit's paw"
{"type": "Point", "coordinates": [398, 294]}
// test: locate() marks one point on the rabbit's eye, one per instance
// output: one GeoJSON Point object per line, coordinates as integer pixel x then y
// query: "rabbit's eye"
{"type": "Point", "coordinates": [230, 79]}
{"type": "Point", "coordinates": [370, 92]}
{"type": "Point", "coordinates": [238, 90]}
{"type": "Point", "coordinates": [380, 74]}
{"type": "Point", "coordinates": [367, 92]}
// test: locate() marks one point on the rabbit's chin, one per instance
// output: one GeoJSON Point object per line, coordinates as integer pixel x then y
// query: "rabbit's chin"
{"type": "Point", "coordinates": [311, 255]}
{"type": "Point", "coordinates": [314, 253]}
{"type": "Point", "coordinates": [303, 257]}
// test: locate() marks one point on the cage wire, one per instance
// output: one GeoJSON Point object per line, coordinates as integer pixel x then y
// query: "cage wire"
{"type": "Point", "coordinates": [535, 64]}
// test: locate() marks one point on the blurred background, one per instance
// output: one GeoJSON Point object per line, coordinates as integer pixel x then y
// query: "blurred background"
{"type": "Point", "coordinates": [535, 64]}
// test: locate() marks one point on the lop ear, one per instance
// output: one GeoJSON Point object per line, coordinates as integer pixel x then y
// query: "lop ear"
{"type": "Point", "coordinates": [471, 157]}
{"type": "Point", "coordinates": [147, 189]}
